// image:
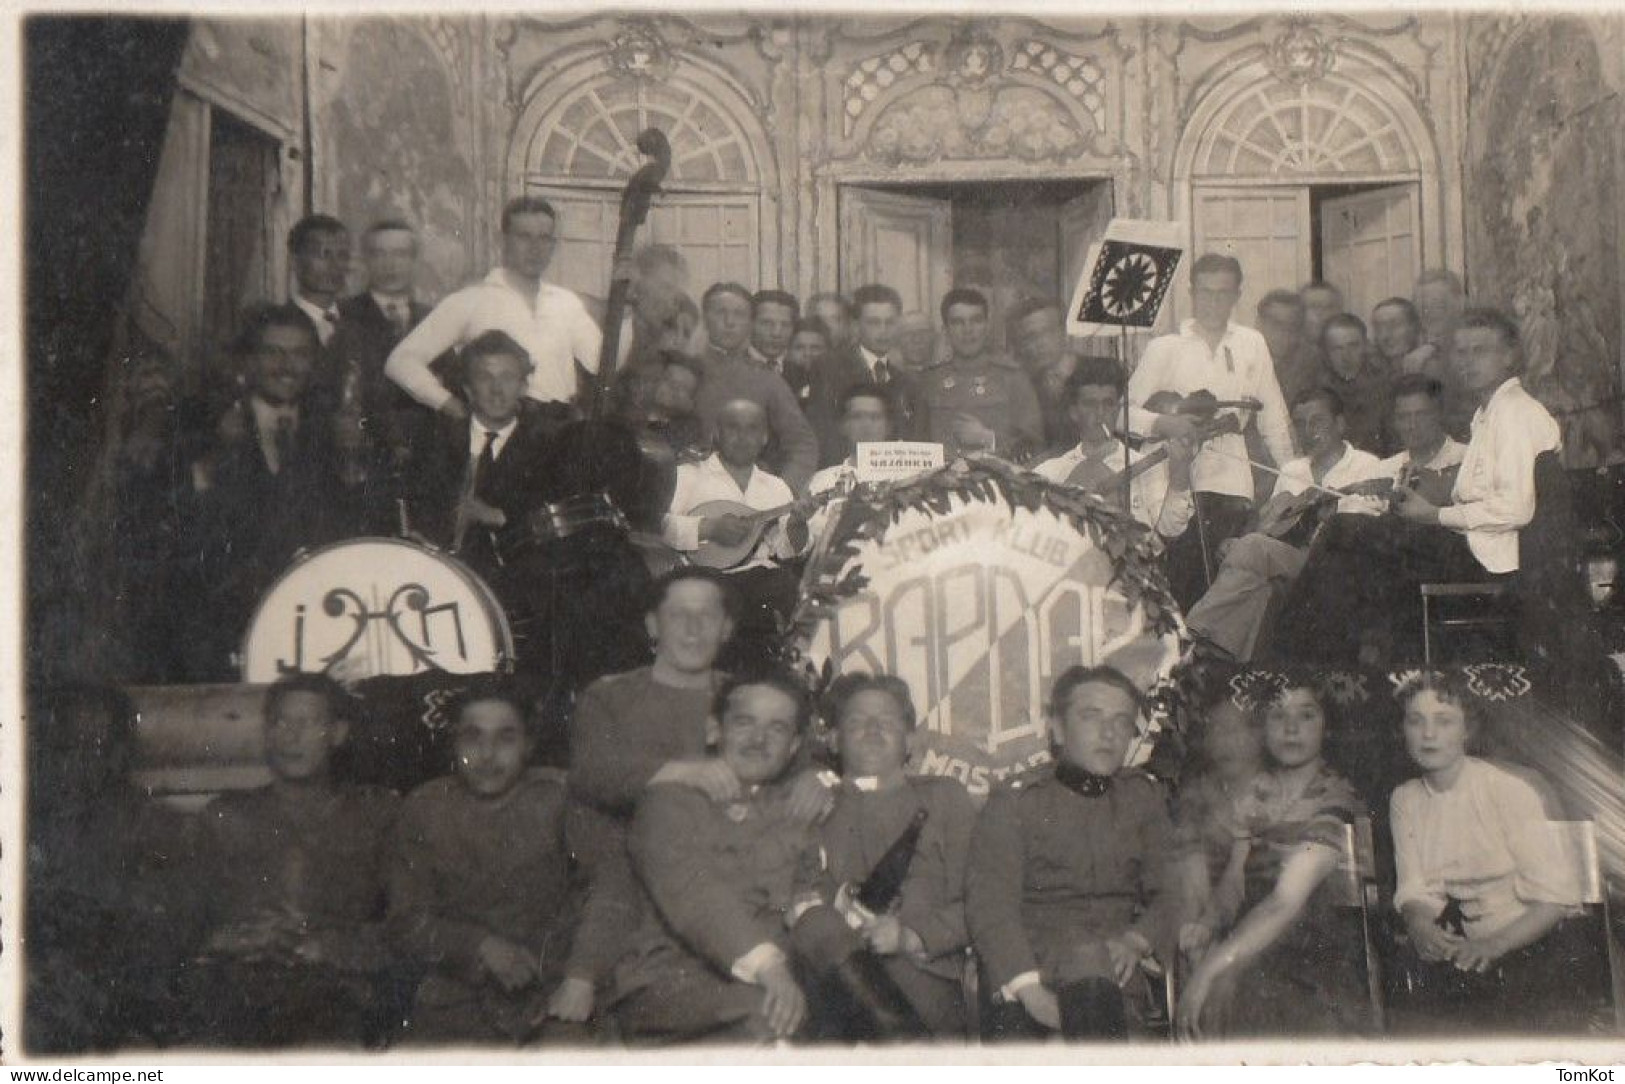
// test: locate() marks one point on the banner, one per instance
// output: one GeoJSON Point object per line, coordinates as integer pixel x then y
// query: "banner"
{"type": "Point", "coordinates": [979, 605]}
{"type": "Point", "coordinates": [1125, 278]}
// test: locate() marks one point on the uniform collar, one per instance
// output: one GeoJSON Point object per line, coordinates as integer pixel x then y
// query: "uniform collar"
{"type": "Point", "coordinates": [1081, 780]}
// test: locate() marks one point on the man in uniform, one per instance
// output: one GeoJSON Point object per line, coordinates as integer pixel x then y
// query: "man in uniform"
{"type": "Point", "coordinates": [1066, 887]}
{"type": "Point", "coordinates": [977, 401]}
{"type": "Point", "coordinates": [736, 918]}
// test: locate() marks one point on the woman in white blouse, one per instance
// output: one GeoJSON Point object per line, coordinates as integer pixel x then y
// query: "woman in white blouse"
{"type": "Point", "coordinates": [1484, 886]}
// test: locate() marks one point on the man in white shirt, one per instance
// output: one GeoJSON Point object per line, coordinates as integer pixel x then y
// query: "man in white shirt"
{"type": "Point", "coordinates": [548, 321]}
{"type": "Point", "coordinates": [766, 587]}
{"type": "Point", "coordinates": [1429, 457]}
{"type": "Point", "coordinates": [1160, 496]}
{"type": "Point", "coordinates": [1212, 352]}
{"type": "Point", "coordinates": [1231, 613]}
{"type": "Point", "coordinates": [1363, 574]}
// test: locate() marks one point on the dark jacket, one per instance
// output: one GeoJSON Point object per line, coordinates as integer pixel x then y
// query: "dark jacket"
{"type": "Point", "coordinates": [439, 471]}
{"type": "Point", "coordinates": [844, 369]}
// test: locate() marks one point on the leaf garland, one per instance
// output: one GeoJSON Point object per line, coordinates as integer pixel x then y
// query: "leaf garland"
{"type": "Point", "coordinates": [872, 508]}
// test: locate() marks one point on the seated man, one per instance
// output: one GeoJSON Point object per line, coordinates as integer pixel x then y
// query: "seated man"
{"type": "Point", "coordinates": [472, 478]}
{"type": "Point", "coordinates": [1231, 613]}
{"type": "Point", "coordinates": [723, 880]}
{"type": "Point", "coordinates": [1159, 497]}
{"type": "Point", "coordinates": [1065, 890]}
{"type": "Point", "coordinates": [751, 549]}
{"type": "Point", "coordinates": [920, 935]}
{"type": "Point", "coordinates": [648, 726]}
{"type": "Point", "coordinates": [479, 888]}
{"type": "Point", "coordinates": [1429, 459]}
{"type": "Point", "coordinates": [266, 485]}
{"type": "Point", "coordinates": [296, 943]}
{"type": "Point", "coordinates": [1363, 573]}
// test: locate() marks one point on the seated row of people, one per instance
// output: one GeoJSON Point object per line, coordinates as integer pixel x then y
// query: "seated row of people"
{"type": "Point", "coordinates": [767, 899]}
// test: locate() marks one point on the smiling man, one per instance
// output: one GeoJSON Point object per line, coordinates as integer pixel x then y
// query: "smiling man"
{"type": "Point", "coordinates": [480, 885]}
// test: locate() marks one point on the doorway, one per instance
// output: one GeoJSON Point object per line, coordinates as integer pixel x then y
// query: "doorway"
{"type": "Point", "coordinates": [1362, 238]}
{"type": "Point", "coordinates": [1009, 239]}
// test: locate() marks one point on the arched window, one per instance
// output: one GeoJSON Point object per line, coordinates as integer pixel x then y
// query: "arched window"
{"type": "Point", "coordinates": [581, 153]}
{"type": "Point", "coordinates": [1319, 127]}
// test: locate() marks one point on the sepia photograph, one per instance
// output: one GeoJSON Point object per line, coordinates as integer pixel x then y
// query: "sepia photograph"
{"type": "Point", "coordinates": [1050, 534]}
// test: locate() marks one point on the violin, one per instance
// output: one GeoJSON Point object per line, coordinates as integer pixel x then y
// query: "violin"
{"type": "Point", "coordinates": [1098, 477]}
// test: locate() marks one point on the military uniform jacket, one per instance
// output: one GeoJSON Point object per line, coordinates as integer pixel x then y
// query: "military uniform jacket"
{"type": "Point", "coordinates": [999, 396]}
{"type": "Point", "coordinates": [865, 823]}
{"type": "Point", "coordinates": [719, 879]}
{"type": "Point", "coordinates": [1053, 873]}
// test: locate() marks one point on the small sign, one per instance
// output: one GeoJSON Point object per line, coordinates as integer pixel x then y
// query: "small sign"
{"type": "Point", "coordinates": [1126, 276]}
{"type": "Point", "coordinates": [890, 460]}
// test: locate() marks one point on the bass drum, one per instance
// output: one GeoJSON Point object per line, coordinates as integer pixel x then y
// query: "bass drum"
{"type": "Point", "coordinates": [374, 607]}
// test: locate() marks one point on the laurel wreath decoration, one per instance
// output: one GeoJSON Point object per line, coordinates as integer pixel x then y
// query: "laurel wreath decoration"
{"type": "Point", "coordinates": [871, 509]}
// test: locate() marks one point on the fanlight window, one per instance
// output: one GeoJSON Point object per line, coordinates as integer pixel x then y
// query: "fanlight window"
{"type": "Point", "coordinates": [1318, 127]}
{"type": "Point", "coordinates": [595, 136]}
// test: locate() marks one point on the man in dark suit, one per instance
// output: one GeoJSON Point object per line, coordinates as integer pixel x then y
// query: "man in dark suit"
{"type": "Point", "coordinates": [377, 419]}
{"type": "Point", "coordinates": [472, 478]}
{"type": "Point", "coordinates": [870, 360]}
{"type": "Point", "coordinates": [265, 485]}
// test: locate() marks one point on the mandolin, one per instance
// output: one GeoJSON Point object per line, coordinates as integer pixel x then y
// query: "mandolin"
{"type": "Point", "coordinates": [1296, 520]}
{"type": "Point", "coordinates": [720, 555]}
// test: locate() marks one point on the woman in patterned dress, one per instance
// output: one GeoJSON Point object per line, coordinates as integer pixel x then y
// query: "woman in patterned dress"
{"type": "Point", "coordinates": [1288, 957]}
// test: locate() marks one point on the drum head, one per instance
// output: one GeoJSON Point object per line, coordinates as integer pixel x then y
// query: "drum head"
{"type": "Point", "coordinates": [376, 606]}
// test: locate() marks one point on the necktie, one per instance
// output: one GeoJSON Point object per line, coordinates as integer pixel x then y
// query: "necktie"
{"type": "Point", "coordinates": [882, 371]}
{"type": "Point", "coordinates": [283, 440]}
{"type": "Point", "coordinates": [399, 316]}
{"type": "Point", "coordinates": [487, 459]}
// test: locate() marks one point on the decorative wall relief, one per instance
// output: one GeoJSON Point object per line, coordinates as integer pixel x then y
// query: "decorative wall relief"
{"type": "Point", "coordinates": [1544, 224]}
{"type": "Point", "coordinates": [939, 122]}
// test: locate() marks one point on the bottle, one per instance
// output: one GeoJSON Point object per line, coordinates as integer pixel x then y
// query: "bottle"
{"type": "Point", "coordinates": [884, 884]}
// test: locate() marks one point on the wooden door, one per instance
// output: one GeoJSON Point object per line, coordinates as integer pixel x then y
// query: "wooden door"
{"type": "Point", "coordinates": [1266, 228]}
{"type": "Point", "coordinates": [1369, 246]}
{"type": "Point", "coordinates": [1083, 222]}
{"type": "Point", "coordinates": [903, 241]}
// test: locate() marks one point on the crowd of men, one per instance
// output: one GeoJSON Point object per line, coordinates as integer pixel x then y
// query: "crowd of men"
{"type": "Point", "coordinates": [699, 873]}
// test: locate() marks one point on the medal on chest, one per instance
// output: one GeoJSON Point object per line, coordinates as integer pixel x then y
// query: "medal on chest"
{"type": "Point", "coordinates": [979, 386]}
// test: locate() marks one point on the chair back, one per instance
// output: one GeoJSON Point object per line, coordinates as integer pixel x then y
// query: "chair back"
{"type": "Point", "coordinates": [1576, 843]}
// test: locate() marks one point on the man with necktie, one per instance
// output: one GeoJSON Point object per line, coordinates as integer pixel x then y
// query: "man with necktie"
{"type": "Point", "coordinates": [265, 484]}
{"type": "Point", "coordinates": [377, 415]}
{"type": "Point", "coordinates": [870, 360]}
{"type": "Point", "coordinates": [319, 253]}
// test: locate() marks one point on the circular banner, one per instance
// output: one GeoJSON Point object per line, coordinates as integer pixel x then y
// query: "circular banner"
{"type": "Point", "coordinates": [979, 586]}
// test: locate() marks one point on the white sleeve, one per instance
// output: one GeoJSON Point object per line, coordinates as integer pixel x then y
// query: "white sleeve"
{"type": "Point", "coordinates": [1511, 503]}
{"type": "Point", "coordinates": [680, 530]}
{"type": "Point", "coordinates": [1412, 882]}
{"type": "Point", "coordinates": [443, 329]}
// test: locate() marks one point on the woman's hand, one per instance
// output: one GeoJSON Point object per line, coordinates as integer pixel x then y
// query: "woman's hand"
{"type": "Point", "coordinates": [1431, 941]}
{"type": "Point", "coordinates": [1478, 954]}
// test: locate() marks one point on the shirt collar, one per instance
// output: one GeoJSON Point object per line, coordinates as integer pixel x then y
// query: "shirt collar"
{"type": "Point", "coordinates": [870, 358]}
{"type": "Point", "coordinates": [1505, 389]}
{"type": "Point", "coordinates": [316, 311]}
{"type": "Point", "coordinates": [268, 413]}
{"type": "Point", "coordinates": [384, 301]}
{"type": "Point", "coordinates": [477, 430]}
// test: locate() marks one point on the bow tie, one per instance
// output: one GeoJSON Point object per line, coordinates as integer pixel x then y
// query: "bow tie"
{"type": "Point", "coordinates": [1081, 780]}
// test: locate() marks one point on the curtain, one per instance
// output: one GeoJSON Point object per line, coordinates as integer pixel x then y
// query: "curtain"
{"type": "Point", "coordinates": [96, 99]}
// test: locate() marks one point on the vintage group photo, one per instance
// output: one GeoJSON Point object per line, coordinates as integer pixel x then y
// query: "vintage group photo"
{"type": "Point", "coordinates": [1085, 535]}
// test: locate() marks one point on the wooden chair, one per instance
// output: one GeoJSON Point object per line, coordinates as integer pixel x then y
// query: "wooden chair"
{"type": "Point", "coordinates": [1546, 598]}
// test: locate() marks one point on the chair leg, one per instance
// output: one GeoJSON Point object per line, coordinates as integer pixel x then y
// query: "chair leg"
{"type": "Point", "coordinates": [1427, 635]}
